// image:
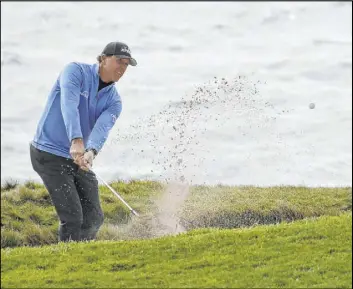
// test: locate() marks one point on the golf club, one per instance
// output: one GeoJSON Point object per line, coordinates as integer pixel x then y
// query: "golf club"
{"type": "Point", "coordinates": [115, 193]}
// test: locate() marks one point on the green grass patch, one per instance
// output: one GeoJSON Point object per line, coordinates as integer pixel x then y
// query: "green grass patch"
{"type": "Point", "coordinates": [233, 207]}
{"type": "Point", "coordinates": [28, 217]}
{"type": "Point", "coordinates": [9, 184]}
{"type": "Point", "coordinates": [310, 253]}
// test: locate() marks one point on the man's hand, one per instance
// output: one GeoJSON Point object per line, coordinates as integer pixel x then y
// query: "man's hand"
{"type": "Point", "coordinates": [88, 158]}
{"type": "Point", "coordinates": [77, 150]}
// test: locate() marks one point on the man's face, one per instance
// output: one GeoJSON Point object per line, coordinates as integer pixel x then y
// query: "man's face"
{"type": "Point", "coordinates": [115, 67]}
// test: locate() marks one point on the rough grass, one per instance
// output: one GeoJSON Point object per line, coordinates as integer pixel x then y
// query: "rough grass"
{"type": "Point", "coordinates": [29, 219]}
{"type": "Point", "coordinates": [9, 184]}
{"type": "Point", "coordinates": [233, 207]}
{"type": "Point", "coordinates": [311, 253]}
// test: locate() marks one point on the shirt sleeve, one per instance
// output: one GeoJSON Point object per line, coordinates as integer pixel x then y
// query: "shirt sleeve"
{"type": "Point", "coordinates": [70, 82]}
{"type": "Point", "coordinates": [103, 126]}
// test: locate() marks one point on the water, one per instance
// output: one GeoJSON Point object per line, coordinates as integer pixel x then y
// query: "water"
{"type": "Point", "coordinates": [300, 52]}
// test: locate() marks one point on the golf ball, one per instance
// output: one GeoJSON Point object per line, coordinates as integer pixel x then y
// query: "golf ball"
{"type": "Point", "coordinates": [312, 105]}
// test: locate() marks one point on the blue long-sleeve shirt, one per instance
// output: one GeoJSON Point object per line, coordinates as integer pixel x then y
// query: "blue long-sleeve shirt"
{"type": "Point", "coordinates": [75, 109]}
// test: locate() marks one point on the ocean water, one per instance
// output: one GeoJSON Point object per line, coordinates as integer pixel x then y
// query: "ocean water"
{"type": "Point", "coordinates": [295, 53]}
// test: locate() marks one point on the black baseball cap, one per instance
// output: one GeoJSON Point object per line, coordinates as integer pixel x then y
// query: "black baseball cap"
{"type": "Point", "coordinates": [119, 49]}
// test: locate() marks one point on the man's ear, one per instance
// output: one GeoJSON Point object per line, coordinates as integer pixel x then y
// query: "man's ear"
{"type": "Point", "coordinates": [103, 58]}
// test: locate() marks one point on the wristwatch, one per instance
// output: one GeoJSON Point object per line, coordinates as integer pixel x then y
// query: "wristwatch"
{"type": "Point", "coordinates": [93, 150]}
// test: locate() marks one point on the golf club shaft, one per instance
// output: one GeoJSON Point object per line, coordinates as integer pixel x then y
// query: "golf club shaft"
{"type": "Point", "coordinates": [115, 193]}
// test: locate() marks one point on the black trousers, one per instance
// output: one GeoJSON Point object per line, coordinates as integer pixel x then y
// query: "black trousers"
{"type": "Point", "coordinates": [74, 193]}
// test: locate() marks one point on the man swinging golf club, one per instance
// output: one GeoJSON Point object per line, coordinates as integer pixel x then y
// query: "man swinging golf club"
{"type": "Point", "coordinates": [81, 109]}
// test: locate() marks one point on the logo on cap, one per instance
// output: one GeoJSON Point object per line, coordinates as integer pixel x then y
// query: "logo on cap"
{"type": "Point", "coordinates": [126, 50]}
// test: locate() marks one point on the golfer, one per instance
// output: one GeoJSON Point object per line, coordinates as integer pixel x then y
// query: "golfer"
{"type": "Point", "coordinates": [81, 109]}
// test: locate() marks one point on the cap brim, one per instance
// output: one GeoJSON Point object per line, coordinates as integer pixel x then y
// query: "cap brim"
{"type": "Point", "coordinates": [132, 61]}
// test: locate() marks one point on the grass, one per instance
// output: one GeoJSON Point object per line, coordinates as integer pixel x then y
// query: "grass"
{"type": "Point", "coordinates": [310, 253]}
{"type": "Point", "coordinates": [283, 237]}
{"type": "Point", "coordinates": [29, 219]}
{"type": "Point", "coordinates": [231, 207]}
{"type": "Point", "coordinates": [9, 184]}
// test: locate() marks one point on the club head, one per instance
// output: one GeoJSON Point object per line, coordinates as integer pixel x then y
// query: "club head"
{"type": "Point", "coordinates": [135, 213]}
